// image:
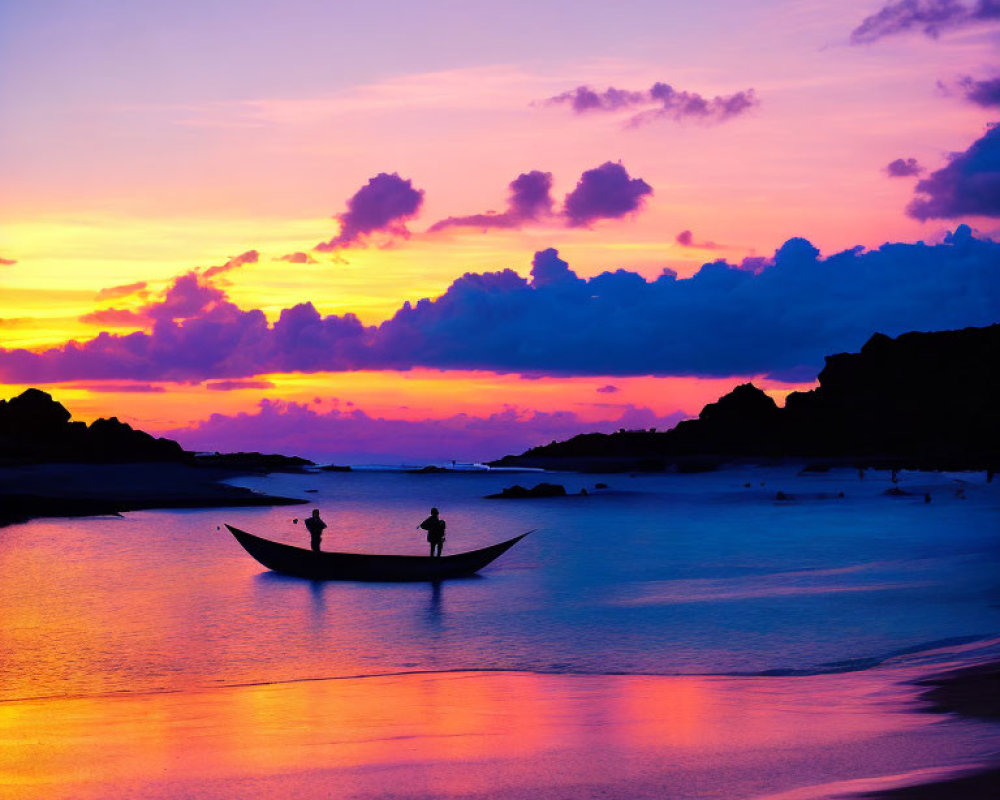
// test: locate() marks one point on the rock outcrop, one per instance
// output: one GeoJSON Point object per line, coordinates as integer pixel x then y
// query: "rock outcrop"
{"type": "Point", "coordinates": [35, 428]}
{"type": "Point", "coordinates": [922, 400]}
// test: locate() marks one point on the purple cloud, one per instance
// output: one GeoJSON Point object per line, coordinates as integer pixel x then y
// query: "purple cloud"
{"type": "Point", "coordinates": [530, 200]}
{"type": "Point", "coordinates": [353, 435]}
{"type": "Point", "coordinates": [605, 192]}
{"type": "Point", "coordinates": [903, 168]}
{"type": "Point", "coordinates": [384, 204]}
{"type": "Point", "coordinates": [985, 93]}
{"type": "Point", "coordinates": [930, 17]}
{"type": "Point", "coordinates": [115, 292]}
{"type": "Point", "coordinates": [686, 239]}
{"type": "Point", "coordinates": [781, 318]}
{"type": "Point", "coordinates": [234, 385]}
{"type": "Point", "coordinates": [187, 297]}
{"type": "Point", "coordinates": [968, 186]}
{"type": "Point", "coordinates": [661, 100]}
{"type": "Point", "coordinates": [548, 270]}
{"type": "Point", "coordinates": [297, 258]}
{"type": "Point", "coordinates": [583, 99]}
{"type": "Point", "coordinates": [249, 257]}
{"type": "Point", "coordinates": [607, 389]}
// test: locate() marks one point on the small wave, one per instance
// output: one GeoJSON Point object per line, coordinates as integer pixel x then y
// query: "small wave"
{"type": "Point", "coordinates": [937, 650]}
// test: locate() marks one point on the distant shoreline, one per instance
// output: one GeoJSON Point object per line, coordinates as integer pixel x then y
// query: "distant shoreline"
{"type": "Point", "coordinates": [34, 491]}
{"type": "Point", "coordinates": [712, 463]}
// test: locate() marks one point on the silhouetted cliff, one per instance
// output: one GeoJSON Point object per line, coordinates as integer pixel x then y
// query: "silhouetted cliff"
{"type": "Point", "coordinates": [920, 397]}
{"type": "Point", "coordinates": [921, 400]}
{"type": "Point", "coordinates": [35, 428]}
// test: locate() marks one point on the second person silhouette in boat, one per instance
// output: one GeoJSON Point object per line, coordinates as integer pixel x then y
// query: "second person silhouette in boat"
{"type": "Point", "coordinates": [315, 526]}
{"type": "Point", "coordinates": [434, 526]}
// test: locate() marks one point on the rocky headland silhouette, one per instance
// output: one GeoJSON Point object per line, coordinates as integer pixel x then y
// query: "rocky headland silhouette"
{"type": "Point", "coordinates": [919, 401]}
{"type": "Point", "coordinates": [53, 466]}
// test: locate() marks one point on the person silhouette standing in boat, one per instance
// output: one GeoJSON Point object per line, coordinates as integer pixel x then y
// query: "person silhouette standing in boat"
{"type": "Point", "coordinates": [434, 526]}
{"type": "Point", "coordinates": [315, 526]}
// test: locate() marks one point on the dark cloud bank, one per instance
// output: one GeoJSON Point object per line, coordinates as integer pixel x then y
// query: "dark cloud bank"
{"type": "Point", "coordinates": [780, 317]}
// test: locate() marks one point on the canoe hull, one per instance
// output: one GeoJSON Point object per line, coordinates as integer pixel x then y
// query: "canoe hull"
{"type": "Point", "coordinates": [323, 566]}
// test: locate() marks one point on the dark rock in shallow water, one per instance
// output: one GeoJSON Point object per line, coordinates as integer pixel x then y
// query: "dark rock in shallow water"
{"type": "Point", "coordinates": [335, 468]}
{"type": "Point", "coordinates": [520, 493]}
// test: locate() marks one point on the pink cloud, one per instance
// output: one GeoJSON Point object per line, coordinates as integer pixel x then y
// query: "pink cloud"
{"type": "Point", "coordinates": [115, 388]}
{"type": "Point", "coordinates": [115, 292]}
{"type": "Point", "coordinates": [337, 434]}
{"type": "Point", "coordinates": [116, 318]}
{"type": "Point", "coordinates": [249, 257]}
{"type": "Point", "coordinates": [686, 239]}
{"type": "Point", "coordinates": [297, 258]}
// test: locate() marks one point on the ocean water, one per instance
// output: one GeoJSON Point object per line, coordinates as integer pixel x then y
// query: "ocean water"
{"type": "Point", "coordinates": [702, 574]}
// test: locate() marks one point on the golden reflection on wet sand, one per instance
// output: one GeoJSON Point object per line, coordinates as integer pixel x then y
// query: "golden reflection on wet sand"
{"type": "Point", "coordinates": [466, 734]}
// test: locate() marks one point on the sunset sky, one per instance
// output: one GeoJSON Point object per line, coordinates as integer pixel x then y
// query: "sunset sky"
{"type": "Point", "coordinates": [382, 230]}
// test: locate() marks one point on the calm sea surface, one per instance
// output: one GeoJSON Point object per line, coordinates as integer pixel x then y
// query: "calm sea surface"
{"type": "Point", "coordinates": [668, 574]}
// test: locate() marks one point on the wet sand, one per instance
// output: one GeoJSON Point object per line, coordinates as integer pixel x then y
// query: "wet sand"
{"type": "Point", "coordinates": [504, 736]}
{"type": "Point", "coordinates": [970, 692]}
{"type": "Point", "coordinates": [68, 490]}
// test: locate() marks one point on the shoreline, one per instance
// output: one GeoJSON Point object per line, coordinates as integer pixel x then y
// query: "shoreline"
{"type": "Point", "coordinates": [715, 462]}
{"type": "Point", "coordinates": [35, 491]}
{"type": "Point", "coordinates": [504, 736]}
{"type": "Point", "coordinates": [971, 692]}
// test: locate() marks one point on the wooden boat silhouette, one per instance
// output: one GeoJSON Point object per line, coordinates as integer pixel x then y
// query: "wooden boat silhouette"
{"type": "Point", "coordinates": [323, 566]}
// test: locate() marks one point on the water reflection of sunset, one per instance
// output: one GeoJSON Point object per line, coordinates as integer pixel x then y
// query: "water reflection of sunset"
{"type": "Point", "coordinates": [451, 732]}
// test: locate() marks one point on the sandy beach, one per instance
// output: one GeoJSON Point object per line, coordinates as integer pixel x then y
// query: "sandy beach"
{"type": "Point", "coordinates": [510, 736]}
{"type": "Point", "coordinates": [970, 692]}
